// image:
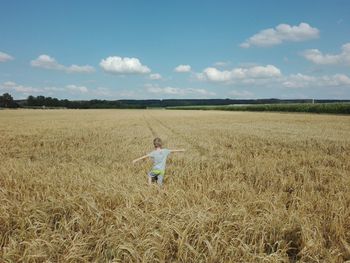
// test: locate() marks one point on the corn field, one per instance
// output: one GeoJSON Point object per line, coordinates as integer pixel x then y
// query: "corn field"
{"type": "Point", "coordinates": [329, 108]}
{"type": "Point", "coordinates": [251, 187]}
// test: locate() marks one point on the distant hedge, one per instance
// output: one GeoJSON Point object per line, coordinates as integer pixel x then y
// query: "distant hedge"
{"type": "Point", "coordinates": [334, 108]}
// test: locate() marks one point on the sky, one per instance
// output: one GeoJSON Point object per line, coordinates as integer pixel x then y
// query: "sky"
{"type": "Point", "coordinates": [160, 49]}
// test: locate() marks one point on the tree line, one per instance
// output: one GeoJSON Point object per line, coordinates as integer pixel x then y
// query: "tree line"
{"type": "Point", "coordinates": [7, 101]}
{"type": "Point", "coordinates": [40, 101]}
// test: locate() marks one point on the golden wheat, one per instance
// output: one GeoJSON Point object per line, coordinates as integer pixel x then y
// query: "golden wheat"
{"type": "Point", "coordinates": [252, 187]}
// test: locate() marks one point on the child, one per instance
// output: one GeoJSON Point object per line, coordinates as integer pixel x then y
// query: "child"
{"type": "Point", "coordinates": [158, 156]}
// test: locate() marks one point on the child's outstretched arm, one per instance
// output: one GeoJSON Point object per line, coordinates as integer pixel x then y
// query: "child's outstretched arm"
{"type": "Point", "coordinates": [139, 159]}
{"type": "Point", "coordinates": [179, 150]}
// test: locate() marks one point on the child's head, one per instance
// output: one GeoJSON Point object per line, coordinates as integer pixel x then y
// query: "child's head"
{"type": "Point", "coordinates": [157, 142]}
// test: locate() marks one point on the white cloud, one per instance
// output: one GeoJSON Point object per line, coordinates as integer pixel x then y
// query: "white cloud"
{"type": "Point", "coordinates": [5, 57]}
{"type": "Point", "coordinates": [47, 62]}
{"type": "Point", "coordinates": [271, 77]}
{"type": "Point", "coordinates": [239, 74]}
{"type": "Point", "coordinates": [317, 57]}
{"type": "Point", "coordinates": [215, 75]}
{"type": "Point", "coordinates": [80, 69]}
{"type": "Point", "coordinates": [22, 91]}
{"type": "Point", "coordinates": [305, 81]}
{"type": "Point", "coordinates": [298, 81]}
{"type": "Point", "coordinates": [28, 90]}
{"type": "Point", "coordinates": [119, 65]}
{"type": "Point", "coordinates": [74, 88]}
{"type": "Point", "coordinates": [154, 89]}
{"type": "Point", "coordinates": [52, 89]}
{"type": "Point", "coordinates": [282, 33]}
{"type": "Point", "coordinates": [9, 84]}
{"type": "Point", "coordinates": [341, 79]}
{"type": "Point", "coordinates": [182, 68]}
{"type": "Point", "coordinates": [13, 86]}
{"type": "Point", "coordinates": [244, 94]}
{"type": "Point", "coordinates": [155, 76]}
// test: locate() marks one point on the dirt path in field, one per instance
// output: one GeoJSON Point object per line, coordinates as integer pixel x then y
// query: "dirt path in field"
{"type": "Point", "coordinates": [201, 150]}
{"type": "Point", "coordinates": [149, 126]}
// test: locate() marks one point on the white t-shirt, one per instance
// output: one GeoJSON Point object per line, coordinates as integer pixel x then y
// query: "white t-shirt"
{"type": "Point", "coordinates": [159, 158]}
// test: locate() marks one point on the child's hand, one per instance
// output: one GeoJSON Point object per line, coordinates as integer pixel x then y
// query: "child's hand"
{"type": "Point", "coordinates": [134, 161]}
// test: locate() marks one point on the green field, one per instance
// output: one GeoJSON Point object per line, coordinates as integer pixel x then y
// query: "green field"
{"type": "Point", "coordinates": [333, 108]}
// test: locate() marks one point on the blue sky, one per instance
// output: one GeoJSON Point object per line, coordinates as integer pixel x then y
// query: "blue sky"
{"type": "Point", "coordinates": [175, 49]}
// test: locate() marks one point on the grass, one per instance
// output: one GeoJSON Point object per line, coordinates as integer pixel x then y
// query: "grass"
{"type": "Point", "coordinates": [252, 187]}
{"type": "Point", "coordinates": [333, 108]}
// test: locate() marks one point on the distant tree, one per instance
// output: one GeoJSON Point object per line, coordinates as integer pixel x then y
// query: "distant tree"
{"type": "Point", "coordinates": [48, 101]}
{"type": "Point", "coordinates": [31, 100]}
{"type": "Point", "coordinates": [56, 102]}
{"type": "Point", "coordinates": [7, 101]}
{"type": "Point", "coordinates": [65, 103]}
{"type": "Point", "coordinates": [40, 101]}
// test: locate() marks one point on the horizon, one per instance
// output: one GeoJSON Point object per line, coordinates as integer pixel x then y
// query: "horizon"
{"type": "Point", "coordinates": [183, 50]}
{"type": "Point", "coordinates": [199, 99]}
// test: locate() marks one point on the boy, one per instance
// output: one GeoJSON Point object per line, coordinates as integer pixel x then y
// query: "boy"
{"type": "Point", "coordinates": [158, 156]}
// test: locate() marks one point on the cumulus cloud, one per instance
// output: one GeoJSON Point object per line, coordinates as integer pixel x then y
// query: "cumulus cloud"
{"type": "Point", "coordinates": [182, 68]}
{"type": "Point", "coordinates": [75, 88]}
{"type": "Point", "coordinates": [282, 33]}
{"type": "Point", "coordinates": [23, 91]}
{"type": "Point", "coordinates": [119, 65]}
{"type": "Point", "coordinates": [155, 76]}
{"type": "Point", "coordinates": [317, 57]}
{"type": "Point", "coordinates": [298, 81]}
{"type": "Point", "coordinates": [306, 81]}
{"type": "Point", "coordinates": [13, 86]}
{"type": "Point", "coordinates": [47, 62]}
{"type": "Point", "coordinates": [270, 76]}
{"type": "Point", "coordinates": [238, 74]}
{"type": "Point", "coordinates": [5, 57]}
{"type": "Point", "coordinates": [26, 89]}
{"type": "Point", "coordinates": [154, 89]}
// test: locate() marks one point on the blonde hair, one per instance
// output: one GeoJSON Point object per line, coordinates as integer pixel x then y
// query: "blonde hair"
{"type": "Point", "coordinates": [157, 142]}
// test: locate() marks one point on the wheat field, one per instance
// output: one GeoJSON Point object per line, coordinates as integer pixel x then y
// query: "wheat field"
{"type": "Point", "coordinates": [251, 187]}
